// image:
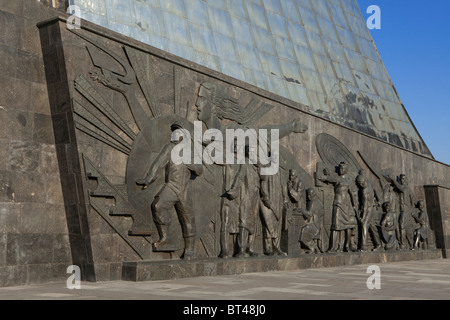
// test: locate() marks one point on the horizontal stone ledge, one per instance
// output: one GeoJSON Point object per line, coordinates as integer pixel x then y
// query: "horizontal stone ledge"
{"type": "Point", "coordinates": [176, 269]}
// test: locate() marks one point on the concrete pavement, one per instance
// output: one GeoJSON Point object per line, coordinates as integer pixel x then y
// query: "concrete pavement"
{"type": "Point", "coordinates": [426, 279]}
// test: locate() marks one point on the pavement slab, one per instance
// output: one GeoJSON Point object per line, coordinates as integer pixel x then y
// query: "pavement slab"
{"type": "Point", "coordinates": [409, 280]}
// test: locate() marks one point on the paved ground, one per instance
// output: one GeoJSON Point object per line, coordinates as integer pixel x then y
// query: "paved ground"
{"type": "Point", "coordinates": [404, 280]}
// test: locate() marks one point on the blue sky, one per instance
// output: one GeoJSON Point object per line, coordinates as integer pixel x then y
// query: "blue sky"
{"type": "Point", "coordinates": [414, 43]}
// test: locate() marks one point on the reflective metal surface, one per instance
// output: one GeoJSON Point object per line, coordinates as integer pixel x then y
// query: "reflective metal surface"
{"type": "Point", "coordinates": [318, 53]}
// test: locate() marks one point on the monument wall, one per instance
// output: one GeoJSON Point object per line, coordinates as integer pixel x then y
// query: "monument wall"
{"type": "Point", "coordinates": [85, 112]}
{"type": "Point", "coordinates": [119, 100]}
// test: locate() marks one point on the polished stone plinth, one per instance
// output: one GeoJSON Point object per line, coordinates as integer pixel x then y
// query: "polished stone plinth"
{"type": "Point", "coordinates": [175, 269]}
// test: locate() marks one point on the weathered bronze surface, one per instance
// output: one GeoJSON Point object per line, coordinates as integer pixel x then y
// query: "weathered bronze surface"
{"type": "Point", "coordinates": [228, 208]}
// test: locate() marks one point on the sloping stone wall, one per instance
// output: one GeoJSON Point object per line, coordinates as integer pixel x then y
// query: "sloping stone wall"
{"type": "Point", "coordinates": [34, 240]}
